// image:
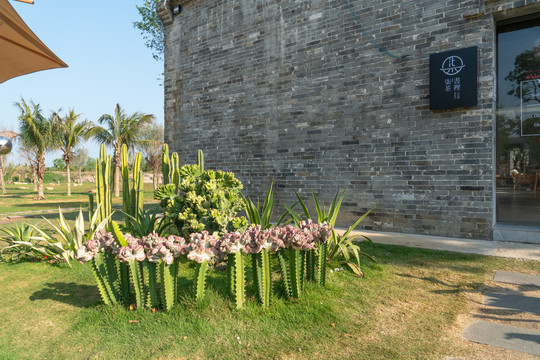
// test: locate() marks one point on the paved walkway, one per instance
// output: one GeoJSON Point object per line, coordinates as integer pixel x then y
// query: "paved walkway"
{"type": "Point", "coordinates": [517, 293]}
{"type": "Point", "coordinates": [482, 247]}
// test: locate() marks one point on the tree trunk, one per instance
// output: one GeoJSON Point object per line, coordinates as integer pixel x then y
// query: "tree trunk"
{"type": "Point", "coordinates": [155, 178]}
{"type": "Point", "coordinates": [35, 180]}
{"type": "Point", "coordinates": [2, 164]}
{"type": "Point", "coordinates": [40, 172]}
{"type": "Point", "coordinates": [80, 175]}
{"type": "Point", "coordinates": [117, 162]}
{"type": "Point", "coordinates": [68, 179]}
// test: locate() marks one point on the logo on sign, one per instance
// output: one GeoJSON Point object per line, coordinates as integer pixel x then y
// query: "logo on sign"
{"type": "Point", "coordinates": [452, 65]}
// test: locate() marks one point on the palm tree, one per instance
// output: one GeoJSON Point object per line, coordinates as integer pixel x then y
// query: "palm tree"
{"type": "Point", "coordinates": [37, 133]}
{"type": "Point", "coordinates": [150, 145]}
{"type": "Point", "coordinates": [120, 129]}
{"type": "Point", "coordinates": [71, 133]}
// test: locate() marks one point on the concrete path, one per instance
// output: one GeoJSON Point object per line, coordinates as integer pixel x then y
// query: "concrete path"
{"type": "Point", "coordinates": [482, 247]}
{"type": "Point", "coordinates": [524, 297]}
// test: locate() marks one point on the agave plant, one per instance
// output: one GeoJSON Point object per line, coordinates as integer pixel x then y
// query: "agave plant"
{"type": "Point", "coordinates": [70, 238]}
{"type": "Point", "coordinates": [23, 244]}
{"type": "Point", "coordinates": [339, 247]}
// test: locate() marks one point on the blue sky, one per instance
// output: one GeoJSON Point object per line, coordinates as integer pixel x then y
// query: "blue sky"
{"type": "Point", "coordinates": [108, 64]}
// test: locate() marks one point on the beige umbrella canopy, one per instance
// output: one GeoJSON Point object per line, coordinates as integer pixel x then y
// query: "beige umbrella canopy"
{"type": "Point", "coordinates": [21, 51]}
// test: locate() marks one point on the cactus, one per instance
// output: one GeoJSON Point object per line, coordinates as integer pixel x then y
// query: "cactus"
{"type": "Point", "coordinates": [168, 278]}
{"type": "Point", "coordinates": [165, 164]}
{"type": "Point", "coordinates": [201, 280]}
{"type": "Point", "coordinates": [175, 170]}
{"type": "Point", "coordinates": [285, 273]}
{"type": "Point", "coordinates": [126, 200]}
{"type": "Point", "coordinates": [310, 265]}
{"type": "Point", "coordinates": [151, 280]}
{"type": "Point", "coordinates": [104, 183]}
{"type": "Point", "coordinates": [297, 268]}
{"type": "Point", "coordinates": [321, 269]}
{"type": "Point", "coordinates": [117, 234]}
{"type": "Point", "coordinates": [200, 160]}
{"type": "Point", "coordinates": [100, 283]}
{"type": "Point", "coordinates": [237, 280]}
{"type": "Point", "coordinates": [137, 281]}
{"type": "Point", "coordinates": [263, 276]}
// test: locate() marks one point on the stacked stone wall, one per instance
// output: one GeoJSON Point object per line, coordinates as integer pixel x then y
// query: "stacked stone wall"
{"type": "Point", "coordinates": [297, 92]}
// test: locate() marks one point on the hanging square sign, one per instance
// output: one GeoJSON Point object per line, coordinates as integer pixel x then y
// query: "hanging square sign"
{"type": "Point", "coordinates": [453, 79]}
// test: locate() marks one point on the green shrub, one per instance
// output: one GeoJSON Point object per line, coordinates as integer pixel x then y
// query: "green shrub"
{"type": "Point", "coordinates": [208, 200]}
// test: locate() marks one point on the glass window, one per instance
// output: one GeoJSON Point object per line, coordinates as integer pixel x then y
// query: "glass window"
{"type": "Point", "coordinates": [518, 123]}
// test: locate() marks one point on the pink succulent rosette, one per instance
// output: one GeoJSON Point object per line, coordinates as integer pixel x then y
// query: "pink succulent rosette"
{"type": "Point", "coordinates": [203, 247]}
{"type": "Point", "coordinates": [132, 252]}
{"type": "Point", "coordinates": [84, 255]}
{"type": "Point", "coordinates": [152, 240]}
{"type": "Point", "coordinates": [106, 240]}
{"type": "Point", "coordinates": [297, 239]}
{"type": "Point", "coordinates": [160, 252]}
{"type": "Point", "coordinates": [257, 239]}
{"type": "Point", "coordinates": [320, 232]}
{"type": "Point", "coordinates": [231, 243]}
{"type": "Point", "coordinates": [177, 245]}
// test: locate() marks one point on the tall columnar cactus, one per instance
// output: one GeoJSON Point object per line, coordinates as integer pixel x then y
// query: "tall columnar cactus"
{"type": "Point", "coordinates": [263, 276]}
{"type": "Point", "coordinates": [321, 268]}
{"type": "Point", "coordinates": [132, 198]}
{"type": "Point", "coordinates": [232, 245]}
{"type": "Point", "coordinates": [126, 196]}
{"type": "Point", "coordinates": [297, 268]}
{"type": "Point", "coordinates": [137, 192]}
{"type": "Point", "coordinates": [104, 182]}
{"type": "Point", "coordinates": [169, 273]}
{"type": "Point", "coordinates": [285, 273]}
{"type": "Point", "coordinates": [310, 265]}
{"type": "Point", "coordinates": [175, 170]}
{"type": "Point", "coordinates": [165, 164]}
{"type": "Point", "coordinates": [200, 160]}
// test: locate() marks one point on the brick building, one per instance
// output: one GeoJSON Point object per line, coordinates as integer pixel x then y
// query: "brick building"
{"type": "Point", "coordinates": [329, 94]}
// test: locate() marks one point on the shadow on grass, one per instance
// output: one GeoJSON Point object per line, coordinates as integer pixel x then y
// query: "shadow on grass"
{"type": "Point", "coordinates": [69, 293]}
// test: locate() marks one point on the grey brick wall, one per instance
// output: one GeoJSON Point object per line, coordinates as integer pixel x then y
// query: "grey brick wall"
{"type": "Point", "coordinates": [294, 91]}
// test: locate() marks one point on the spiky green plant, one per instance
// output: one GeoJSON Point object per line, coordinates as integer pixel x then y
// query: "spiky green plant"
{"type": "Point", "coordinates": [297, 269]}
{"type": "Point", "coordinates": [175, 170]}
{"type": "Point", "coordinates": [104, 182]}
{"type": "Point", "coordinates": [200, 160]}
{"type": "Point", "coordinates": [339, 247]}
{"type": "Point", "coordinates": [165, 164]}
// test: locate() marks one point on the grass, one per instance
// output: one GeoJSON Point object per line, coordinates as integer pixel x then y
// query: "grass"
{"type": "Point", "coordinates": [20, 198]}
{"type": "Point", "coordinates": [410, 305]}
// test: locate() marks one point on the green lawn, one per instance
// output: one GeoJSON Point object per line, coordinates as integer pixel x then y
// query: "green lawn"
{"type": "Point", "coordinates": [20, 198]}
{"type": "Point", "coordinates": [410, 305]}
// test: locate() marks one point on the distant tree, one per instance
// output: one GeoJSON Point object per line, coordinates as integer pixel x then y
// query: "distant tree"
{"type": "Point", "coordinates": [150, 147]}
{"type": "Point", "coordinates": [120, 129]}
{"type": "Point", "coordinates": [37, 134]}
{"type": "Point", "coordinates": [80, 158]}
{"type": "Point", "coordinates": [59, 165]}
{"type": "Point", "coordinates": [524, 64]}
{"type": "Point", "coordinates": [151, 28]}
{"type": "Point", "coordinates": [71, 133]}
